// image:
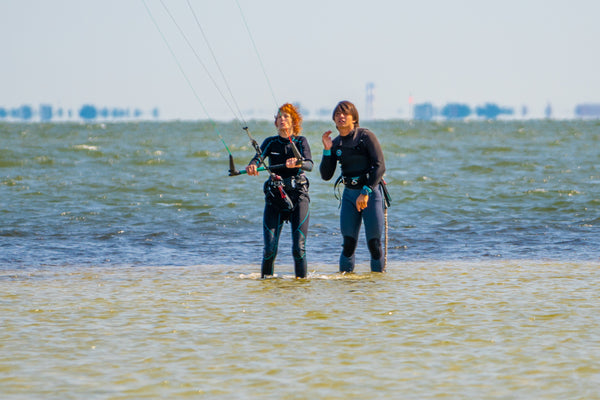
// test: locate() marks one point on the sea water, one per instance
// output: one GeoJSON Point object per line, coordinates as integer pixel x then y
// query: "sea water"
{"type": "Point", "coordinates": [129, 265]}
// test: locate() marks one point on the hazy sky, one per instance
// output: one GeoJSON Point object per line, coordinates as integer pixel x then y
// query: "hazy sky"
{"type": "Point", "coordinates": [316, 52]}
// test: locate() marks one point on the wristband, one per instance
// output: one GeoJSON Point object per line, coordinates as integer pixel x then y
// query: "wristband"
{"type": "Point", "coordinates": [366, 190]}
{"type": "Point", "coordinates": [326, 152]}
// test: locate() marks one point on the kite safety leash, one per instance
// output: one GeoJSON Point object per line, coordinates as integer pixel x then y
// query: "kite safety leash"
{"type": "Point", "coordinates": [387, 201]}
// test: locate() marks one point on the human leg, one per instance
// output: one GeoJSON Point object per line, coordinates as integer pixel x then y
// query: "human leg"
{"type": "Point", "coordinates": [350, 221]}
{"type": "Point", "coordinates": [272, 224]}
{"type": "Point", "coordinates": [373, 217]}
{"type": "Point", "coordinates": [299, 221]}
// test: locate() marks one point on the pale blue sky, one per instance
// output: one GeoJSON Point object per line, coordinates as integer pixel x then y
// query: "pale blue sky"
{"type": "Point", "coordinates": [109, 53]}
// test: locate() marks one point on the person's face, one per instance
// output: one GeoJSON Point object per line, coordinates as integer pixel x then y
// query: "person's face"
{"type": "Point", "coordinates": [343, 120]}
{"type": "Point", "coordinates": [284, 122]}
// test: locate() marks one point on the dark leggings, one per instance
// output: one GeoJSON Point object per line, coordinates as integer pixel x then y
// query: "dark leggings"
{"type": "Point", "coordinates": [350, 222]}
{"type": "Point", "coordinates": [273, 221]}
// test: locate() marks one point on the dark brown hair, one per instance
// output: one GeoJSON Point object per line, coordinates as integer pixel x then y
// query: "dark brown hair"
{"type": "Point", "coordinates": [347, 108]}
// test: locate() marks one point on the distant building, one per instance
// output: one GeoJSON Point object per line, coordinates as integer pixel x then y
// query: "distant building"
{"type": "Point", "coordinates": [456, 111]}
{"type": "Point", "coordinates": [45, 112]}
{"type": "Point", "coordinates": [588, 110]}
{"type": "Point", "coordinates": [104, 113]}
{"type": "Point", "coordinates": [492, 111]}
{"type": "Point", "coordinates": [424, 112]}
{"type": "Point", "coordinates": [548, 111]}
{"type": "Point", "coordinates": [90, 112]}
{"type": "Point", "coordinates": [119, 113]}
{"type": "Point", "coordinates": [24, 112]}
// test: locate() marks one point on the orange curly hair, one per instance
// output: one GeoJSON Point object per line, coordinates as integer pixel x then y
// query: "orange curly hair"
{"type": "Point", "coordinates": [296, 117]}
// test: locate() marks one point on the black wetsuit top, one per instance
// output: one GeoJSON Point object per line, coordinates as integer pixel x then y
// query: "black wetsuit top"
{"type": "Point", "coordinates": [361, 160]}
{"type": "Point", "coordinates": [278, 149]}
{"type": "Point", "coordinates": [359, 154]}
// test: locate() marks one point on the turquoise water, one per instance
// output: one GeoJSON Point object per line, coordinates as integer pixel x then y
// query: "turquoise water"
{"type": "Point", "coordinates": [129, 267]}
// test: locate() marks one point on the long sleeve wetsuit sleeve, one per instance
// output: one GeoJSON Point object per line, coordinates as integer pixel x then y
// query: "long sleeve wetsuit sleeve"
{"type": "Point", "coordinates": [278, 150]}
{"type": "Point", "coordinates": [328, 163]}
{"type": "Point", "coordinates": [256, 159]}
{"type": "Point", "coordinates": [377, 161]}
{"type": "Point", "coordinates": [307, 162]}
{"type": "Point", "coordinates": [327, 167]}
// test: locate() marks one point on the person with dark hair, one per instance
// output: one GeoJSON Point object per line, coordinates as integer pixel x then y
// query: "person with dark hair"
{"type": "Point", "coordinates": [362, 167]}
{"type": "Point", "coordinates": [286, 190]}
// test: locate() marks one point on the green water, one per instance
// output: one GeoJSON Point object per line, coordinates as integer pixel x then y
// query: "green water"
{"type": "Point", "coordinates": [424, 330]}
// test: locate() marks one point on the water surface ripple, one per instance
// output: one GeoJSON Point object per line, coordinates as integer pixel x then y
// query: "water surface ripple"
{"type": "Point", "coordinates": [424, 330]}
{"type": "Point", "coordinates": [159, 194]}
{"type": "Point", "coordinates": [129, 267]}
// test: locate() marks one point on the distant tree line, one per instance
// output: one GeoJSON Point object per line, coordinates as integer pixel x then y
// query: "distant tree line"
{"type": "Point", "coordinates": [46, 113]}
{"type": "Point", "coordinates": [424, 111]}
{"type": "Point", "coordinates": [453, 111]}
{"type": "Point", "coordinates": [457, 111]}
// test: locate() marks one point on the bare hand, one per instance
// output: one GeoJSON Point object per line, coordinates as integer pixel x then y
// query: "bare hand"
{"type": "Point", "coordinates": [293, 163]}
{"type": "Point", "coordinates": [361, 202]}
{"type": "Point", "coordinates": [252, 170]}
{"type": "Point", "coordinates": [327, 142]}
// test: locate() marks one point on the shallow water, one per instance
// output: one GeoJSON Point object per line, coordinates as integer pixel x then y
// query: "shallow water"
{"type": "Point", "coordinates": [496, 330]}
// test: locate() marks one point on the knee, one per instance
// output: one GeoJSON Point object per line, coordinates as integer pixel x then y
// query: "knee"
{"type": "Point", "coordinates": [270, 246]}
{"type": "Point", "coordinates": [269, 255]}
{"type": "Point", "coordinates": [299, 245]}
{"type": "Point", "coordinates": [349, 246]}
{"type": "Point", "coordinates": [299, 251]}
{"type": "Point", "coordinates": [269, 251]}
{"type": "Point", "coordinates": [375, 248]}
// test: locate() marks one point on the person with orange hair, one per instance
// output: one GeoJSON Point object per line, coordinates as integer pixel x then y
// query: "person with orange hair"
{"type": "Point", "coordinates": [286, 190]}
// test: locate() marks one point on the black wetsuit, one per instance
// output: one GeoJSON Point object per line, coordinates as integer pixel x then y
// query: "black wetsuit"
{"type": "Point", "coordinates": [278, 149]}
{"type": "Point", "coordinates": [362, 164]}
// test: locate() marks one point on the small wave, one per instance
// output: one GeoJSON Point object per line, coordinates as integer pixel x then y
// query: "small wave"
{"type": "Point", "coordinates": [14, 233]}
{"type": "Point", "coordinates": [313, 275]}
{"type": "Point", "coordinates": [344, 276]}
{"type": "Point", "coordinates": [85, 147]}
{"type": "Point", "coordinates": [478, 169]}
{"type": "Point", "coordinates": [496, 149]}
{"type": "Point", "coordinates": [44, 160]}
{"type": "Point", "coordinates": [206, 154]}
{"type": "Point", "coordinates": [253, 276]}
{"type": "Point", "coordinates": [539, 190]}
{"type": "Point", "coordinates": [10, 163]}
